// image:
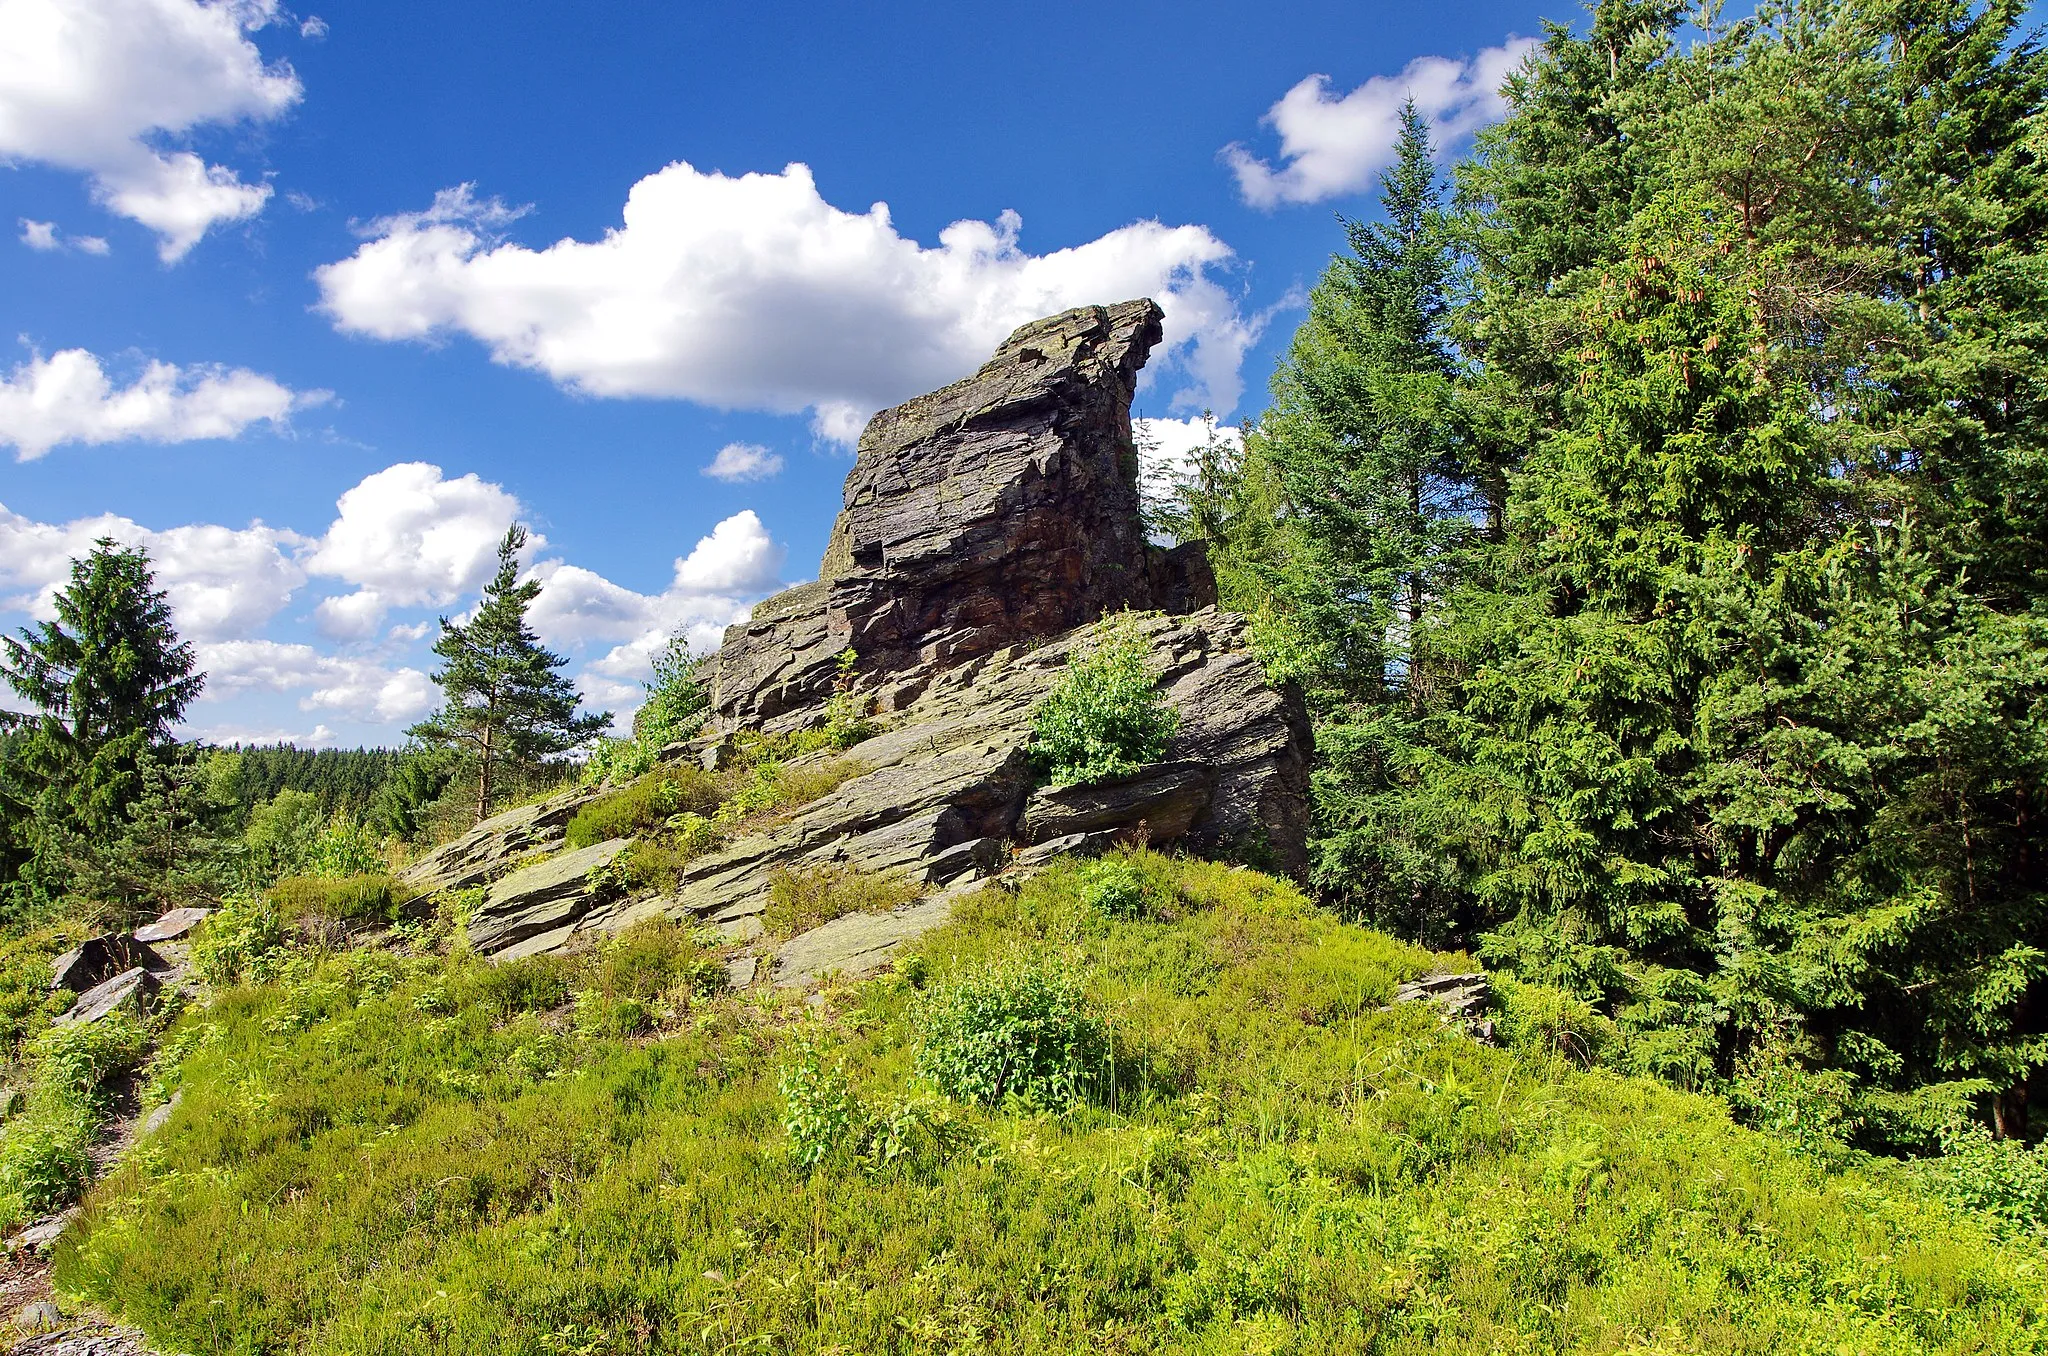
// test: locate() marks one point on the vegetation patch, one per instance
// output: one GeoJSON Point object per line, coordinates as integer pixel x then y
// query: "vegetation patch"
{"type": "Point", "coordinates": [645, 804]}
{"type": "Point", "coordinates": [367, 898]}
{"type": "Point", "coordinates": [801, 898]}
{"type": "Point", "coordinates": [1105, 716]}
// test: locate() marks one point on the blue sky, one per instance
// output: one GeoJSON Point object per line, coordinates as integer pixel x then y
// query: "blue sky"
{"type": "Point", "coordinates": [312, 302]}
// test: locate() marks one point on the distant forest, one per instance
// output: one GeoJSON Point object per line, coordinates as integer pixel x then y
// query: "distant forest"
{"type": "Point", "coordinates": [341, 780]}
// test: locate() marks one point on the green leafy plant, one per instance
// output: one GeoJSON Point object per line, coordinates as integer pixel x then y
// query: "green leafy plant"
{"type": "Point", "coordinates": [1105, 717]}
{"type": "Point", "coordinates": [2003, 1178]}
{"type": "Point", "coordinates": [1015, 1031]}
{"type": "Point", "coordinates": [243, 939]}
{"type": "Point", "coordinates": [644, 804]}
{"type": "Point", "coordinates": [368, 898]}
{"type": "Point", "coordinates": [819, 1108]}
{"type": "Point", "coordinates": [1116, 885]}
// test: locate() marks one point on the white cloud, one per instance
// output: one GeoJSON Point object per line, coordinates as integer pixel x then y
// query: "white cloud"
{"type": "Point", "coordinates": [1333, 144]}
{"type": "Point", "coordinates": [319, 737]}
{"type": "Point", "coordinates": [408, 537]}
{"type": "Point", "coordinates": [1167, 446]}
{"type": "Point", "coordinates": [92, 85]}
{"type": "Point", "coordinates": [713, 586]}
{"type": "Point", "coordinates": [738, 462]}
{"type": "Point", "coordinates": [39, 235]}
{"type": "Point", "coordinates": [221, 582]}
{"type": "Point", "coordinates": [755, 293]}
{"type": "Point", "coordinates": [313, 28]}
{"type": "Point", "coordinates": [356, 687]}
{"type": "Point", "coordinates": [68, 398]}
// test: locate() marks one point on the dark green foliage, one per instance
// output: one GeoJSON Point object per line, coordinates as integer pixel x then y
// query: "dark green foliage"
{"type": "Point", "coordinates": [507, 706]}
{"type": "Point", "coordinates": [1105, 717]}
{"type": "Point", "coordinates": [405, 799]}
{"type": "Point", "coordinates": [344, 781]}
{"type": "Point", "coordinates": [107, 681]}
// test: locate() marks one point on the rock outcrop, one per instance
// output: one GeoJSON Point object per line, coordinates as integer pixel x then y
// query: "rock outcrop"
{"type": "Point", "coordinates": [998, 511]}
{"type": "Point", "coordinates": [988, 529]}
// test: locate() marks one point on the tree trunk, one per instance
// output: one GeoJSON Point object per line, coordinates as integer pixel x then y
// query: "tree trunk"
{"type": "Point", "coordinates": [483, 780]}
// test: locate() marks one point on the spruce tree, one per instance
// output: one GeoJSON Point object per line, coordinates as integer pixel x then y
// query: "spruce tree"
{"type": "Point", "coordinates": [1363, 442]}
{"type": "Point", "coordinates": [507, 706]}
{"type": "Point", "coordinates": [107, 681]}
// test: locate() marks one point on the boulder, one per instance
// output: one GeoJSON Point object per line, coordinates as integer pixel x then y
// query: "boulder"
{"type": "Point", "coordinates": [131, 989]}
{"type": "Point", "coordinates": [1000, 510]}
{"type": "Point", "coordinates": [97, 959]}
{"type": "Point", "coordinates": [1461, 999]}
{"type": "Point", "coordinates": [1163, 800]}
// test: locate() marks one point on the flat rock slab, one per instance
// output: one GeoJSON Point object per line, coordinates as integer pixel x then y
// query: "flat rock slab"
{"type": "Point", "coordinates": [497, 844]}
{"type": "Point", "coordinates": [540, 898]}
{"type": "Point", "coordinates": [861, 943]}
{"type": "Point", "coordinates": [1165, 798]}
{"type": "Point", "coordinates": [131, 989]}
{"type": "Point", "coordinates": [172, 925]}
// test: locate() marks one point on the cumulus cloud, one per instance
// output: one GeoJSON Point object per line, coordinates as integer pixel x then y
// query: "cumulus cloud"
{"type": "Point", "coordinates": [94, 85]}
{"type": "Point", "coordinates": [313, 28]}
{"type": "Point", "coordinates": [712, 587]}
{"type": "Point", "coordinates": [409, 537]}
{"type": "Point", "coordinates": [319, 737]}
{"type": "Point", "coordinates": [39, 235]}
{"type": "Point", "coordinates": [755, 293]}
{"type": "Point", "coordinates": [69, 398]}
{"type": "Point", "coordinates": [221, 581]}
{"type": "Point", "coordinates": [738, 462]}
{"type": "Point", "coordinates": [1332, 144]}
{"type": "Point", "coordinates": [357, 687]}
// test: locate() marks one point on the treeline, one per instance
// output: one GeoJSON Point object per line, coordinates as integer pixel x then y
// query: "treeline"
{"type": "Point", "coordinates": [339, 780]}
{"type": "Point", "coordinates": [1655, 515]}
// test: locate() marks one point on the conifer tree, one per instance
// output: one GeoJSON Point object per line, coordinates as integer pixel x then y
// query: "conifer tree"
{"type": "Point", "coordinates": [108, 679]}
{"type": "Point", "coordinates": [506, 703]}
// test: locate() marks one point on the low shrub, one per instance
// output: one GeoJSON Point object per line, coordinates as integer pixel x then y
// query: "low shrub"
{"type": "Point", "coordinates": [1105, 716]}
{"type": "Point", "coordinates": [534, 984]}
{"type": "Point", "coordinates": [243, 939]}
{"type": "Point", "coordinates": [802, 898]}
{"type": "Point", "coordinates": [644, 804]}
{"type": "Point", "coordinates": [1553, 1020]}
{"type": "Point", "coordinates": [1119, 887]}
{"type": "Point", "coordinates": [2003, 1178]}
{"type": "Point", "coordinates": [44, 1164]}
{"type": "Point", "coordinates": [366, 898]}
{"type": "Point", "coordinates": [819, 1109]}
{"type": "Point", "coordinates": [74, 1060]}
{"type": "Point", "coordinates": [1020, 1030]}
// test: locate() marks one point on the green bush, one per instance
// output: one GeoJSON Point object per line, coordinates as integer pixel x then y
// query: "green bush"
{"type": "Point", "coordinates": [1105, 717]}
{"type": "Point", "coordinates": [534, 984]}
{"type": "Point", "coordinates": [819, 1109]}
{"type": "Point", "coordinates": [1119, 887]}
{"type": "Point", "coordinates": [74, 1059]}
{"type": "Point", "coordinates": [2003, 1178]}
{"type": "Point", "coordinates": [244, 939]}
{"type": "Point", "coordinates": [347, 847]}
{"type": "Point", "coordinates": [802, 898]}
{"type": "Point", "coordinates": [644, 804]}
{"type": "Point", "coordinates": [367, 898]}
{"type": "Point", "coordinates": [1553, 1020]}
{"type": "Point", "coordinates": [1017, 1031]}
{"type": "Point", "coordinates": [43, 1165]}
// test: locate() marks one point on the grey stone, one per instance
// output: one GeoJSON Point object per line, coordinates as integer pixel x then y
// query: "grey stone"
{"type": "Point", "coordinates": [861, 943]}
{"type": "Point", "coordinates": [1163, 800]}
{"type": "Point", "coordinates": [173, 925]}
{"type": "Point", "coordinates": [156, 1119]}
{"type": "Point", "coordinates": [1001, 509]}
{"type": "Point", "coordinates": [46, 1231]}
{"type": "Point", "coordinates": [131, 989]}
{"type": "Point", "coordinates": [540, 898]}
{"type": "Point", "coordinates": [498, 844]}
{"type": "Point", "coordinates": [39, 1316]}
{"type": "Point", "coordinates": [1040, 855]}
{"type": "Point", "coordinates": [1463, 999]}
{"type": "Point", "coordinates": [97, 959]}
{"type": "Point", "coordinates": [740, 971]}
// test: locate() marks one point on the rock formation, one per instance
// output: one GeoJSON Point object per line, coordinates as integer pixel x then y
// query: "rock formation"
{"type": "Point", "coordinates": [988, 529]}
{"type": "Point", "coordinates": [1000, 510]}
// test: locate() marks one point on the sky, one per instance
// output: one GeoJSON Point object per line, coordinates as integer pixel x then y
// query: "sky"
{"type": "Point", "coordinates": [313, 303]}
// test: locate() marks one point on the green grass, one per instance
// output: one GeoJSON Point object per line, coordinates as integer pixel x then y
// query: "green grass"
{"type": "Point", "coordinates": [384, 1154]}
{"type": "Point", "coordinates": [644, 805]}
{"type": "Point", "coordinates": [801, 898]}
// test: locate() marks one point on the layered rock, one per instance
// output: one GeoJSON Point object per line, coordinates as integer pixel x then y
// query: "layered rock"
{"type": "Point", "coordinates": [1000, 510]}
{"type": "Point", "coordinates": [988, 530]}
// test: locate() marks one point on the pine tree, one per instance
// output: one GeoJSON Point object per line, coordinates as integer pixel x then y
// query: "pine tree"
{"type": "Point", "coordinates": [507, 705]}
{"type": "Point", "coordinates": [108, 679]}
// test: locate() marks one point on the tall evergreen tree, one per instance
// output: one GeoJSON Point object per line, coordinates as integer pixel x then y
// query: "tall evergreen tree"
{"type": "Point", "coordinates": [1363, 442]}
{"type": "Point", "coordinates": [108, 679]}
{"type": "Point", "coordinates": [507, 704]}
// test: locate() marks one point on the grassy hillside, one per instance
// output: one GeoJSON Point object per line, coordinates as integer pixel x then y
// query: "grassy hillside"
{"type": "Point", "coordinates": [1213, 1136]}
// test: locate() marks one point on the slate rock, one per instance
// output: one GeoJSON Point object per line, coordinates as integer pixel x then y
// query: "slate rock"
{"type": "Point", "coordinates": [39, 1316]}
{"type": "Point", "coordinates": [46, 1231]}
{"type": "Point", "coordinates": [544, 897]}
{"type": "Point", "coordinates": [998, 510]}
{"type": "Point", "coordinates": [498, 844]}
{"type": "Point", "coordinates": [172, 925]}
{"type": "Point", "coordinates": [133, 990]}
{"type": "Point", "coordinates": [97, 959]}
{"type": "Point", "coordinates": [861, 943]}
{"type": "Point", "coordinates": [1164, 799]}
